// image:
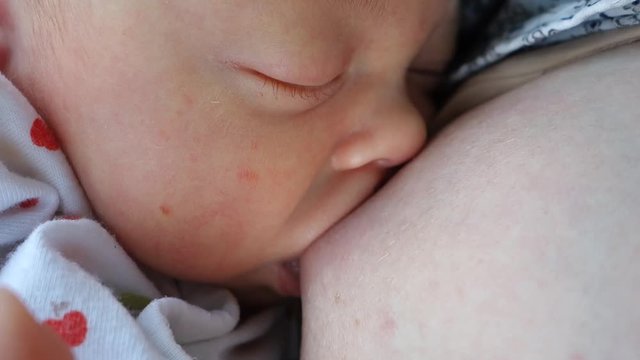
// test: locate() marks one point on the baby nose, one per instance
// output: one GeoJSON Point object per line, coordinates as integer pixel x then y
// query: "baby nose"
{"type": "Point", "coordinates": [393, 135]}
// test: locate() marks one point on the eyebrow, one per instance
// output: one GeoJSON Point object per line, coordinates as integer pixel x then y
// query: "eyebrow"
{"type": "Point", "coordinates": [376, 7]}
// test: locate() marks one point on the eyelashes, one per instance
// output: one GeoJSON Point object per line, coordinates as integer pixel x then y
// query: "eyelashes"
{"type": "Point", "coordinates": [319, 93]}
{"type": "Point", "coordinates": [271, 93]}
{"type": "Point", "coordinates": [284, 95]}
{"type": "Point", "coordinates": [307, 93]}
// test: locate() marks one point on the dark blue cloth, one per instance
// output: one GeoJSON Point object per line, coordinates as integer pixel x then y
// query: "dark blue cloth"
{"type": "Point", "coordinates": [494, 29]}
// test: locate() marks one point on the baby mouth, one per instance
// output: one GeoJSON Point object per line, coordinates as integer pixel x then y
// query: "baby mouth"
{"type": "Point", "coordinates": [289, 278]}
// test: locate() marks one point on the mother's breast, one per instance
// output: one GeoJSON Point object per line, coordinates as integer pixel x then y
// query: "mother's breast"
{"type": "Point", "coordinates": [506, 237]}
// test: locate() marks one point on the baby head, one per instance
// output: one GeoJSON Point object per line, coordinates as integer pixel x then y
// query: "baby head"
{"type": "Point", "coordinates": [220, 138]}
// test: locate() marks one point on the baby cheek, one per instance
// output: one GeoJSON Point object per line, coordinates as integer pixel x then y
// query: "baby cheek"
{"type": "Point", "coordinates": [247, 176]}
{"type": "Point", "coordinates": [270, 180]}
{"type": "Point", "coordinates": [253, 175]}
{"type": "Point", "coordinates": [202, 241]}
{"type": "Point", "coordinates": [223, 214]}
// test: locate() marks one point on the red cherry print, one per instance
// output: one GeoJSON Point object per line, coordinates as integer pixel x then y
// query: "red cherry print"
{"type": "Point", "coordinates": [72, 327]}
{"type": "Point", "coordinates": [29, 203]}
{"type": "Point", "coordinates": [42, 136]}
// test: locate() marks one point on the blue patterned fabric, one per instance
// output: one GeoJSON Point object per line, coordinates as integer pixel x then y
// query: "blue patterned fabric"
{"type": "Point", "coordinates": [502, 27]}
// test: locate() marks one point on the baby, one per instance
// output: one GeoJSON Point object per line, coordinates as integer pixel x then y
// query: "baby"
{"type": "Point", "coordinates": [214, 139]}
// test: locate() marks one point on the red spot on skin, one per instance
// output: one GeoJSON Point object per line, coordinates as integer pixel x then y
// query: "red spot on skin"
{"type": "Point", "coordinates": [578, 356]}
{"type": "Point", "coordinates": [247, 175]}
{"type": "Point", "coordinates": [163, 136]}
{"type": "Point", "coordinates": [72, 327]}
{"type": "Point", "coordinates": [254, 145]}
{"type": "Point", "coordinates": [388, 325]}
{"type": "Point", "coordinates": [42, 136]}
{"type": "Point", "coordinates": [165, 210]}
{"type": "Point", "coordinates": [29, 203]}
{"type": "Point", "coordinates": [188, 100]}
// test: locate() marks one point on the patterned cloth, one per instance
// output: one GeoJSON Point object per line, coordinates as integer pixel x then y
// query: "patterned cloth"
{"type": "Point", "coordinates": [513, 25]}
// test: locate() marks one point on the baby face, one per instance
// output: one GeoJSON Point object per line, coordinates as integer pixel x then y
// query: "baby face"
{"type": "Point", "coordinates": [217, 138]}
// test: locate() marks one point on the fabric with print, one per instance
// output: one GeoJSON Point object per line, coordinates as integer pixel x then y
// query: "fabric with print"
{"type": "Point", "coordinates": [507, 26]}
{"type": "Point", "coordinates": [73, 276]}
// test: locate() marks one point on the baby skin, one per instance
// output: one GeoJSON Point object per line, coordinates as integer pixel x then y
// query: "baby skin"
{"type": "Point", "coordinates": [218, 139]}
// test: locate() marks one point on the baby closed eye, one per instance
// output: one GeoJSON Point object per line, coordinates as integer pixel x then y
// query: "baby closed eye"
{"type": "Point", "coordinates": [316, 94]}
{"type": "Point", "coordinates": [273, 93]}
